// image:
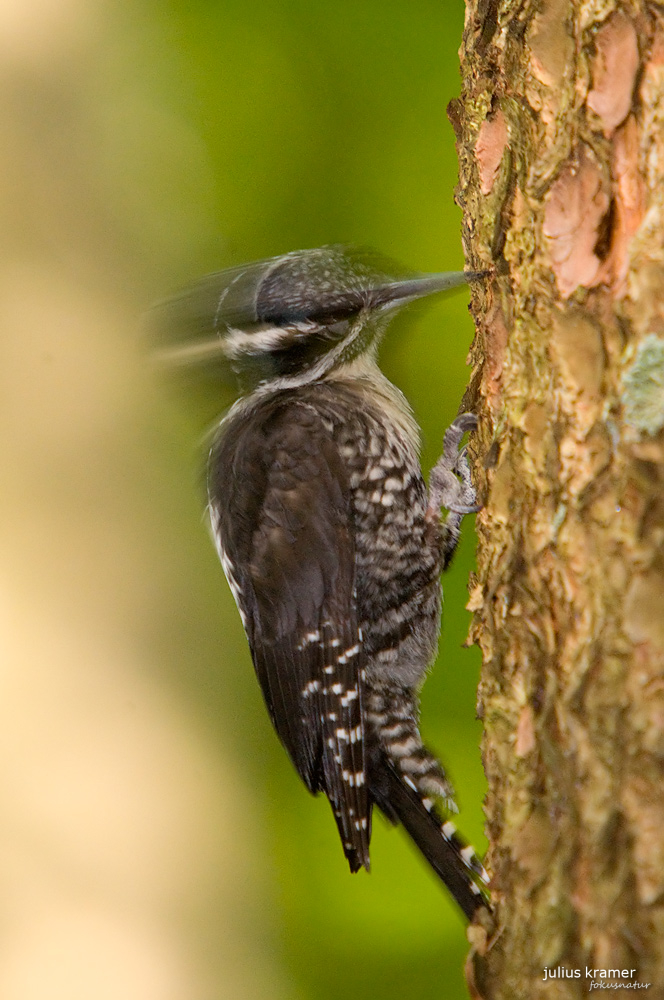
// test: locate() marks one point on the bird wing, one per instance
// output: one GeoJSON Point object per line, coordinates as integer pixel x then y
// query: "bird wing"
{"type": "Point", "coordinates": [280, 509]}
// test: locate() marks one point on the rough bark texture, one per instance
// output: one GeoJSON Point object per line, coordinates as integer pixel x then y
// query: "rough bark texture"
{"type": "Point", "coordinates": [561, 146]}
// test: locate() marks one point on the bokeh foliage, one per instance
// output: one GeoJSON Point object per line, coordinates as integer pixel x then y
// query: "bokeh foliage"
{"type": "Point", "coordinates": [169, 140]}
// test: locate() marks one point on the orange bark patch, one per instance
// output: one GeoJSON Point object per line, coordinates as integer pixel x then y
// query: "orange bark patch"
{"type": "Point", "coordinates": [657, 51]}
{"type": "Point", "coordinates": [489, 149]}
{"type": "Point", "coordinates": [496, 345]}
{"type": "Point", "coordinates": [614, 72]}
{"type": "Point", "coordinates": [525, 732]}
{"type": "Point", "coordinates": [574, 208]}
{"type": "Point", "coordinates": [630, 199]}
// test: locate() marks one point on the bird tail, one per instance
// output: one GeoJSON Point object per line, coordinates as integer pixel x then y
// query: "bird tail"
{"type": "Point", "coordinates": [453, 861]}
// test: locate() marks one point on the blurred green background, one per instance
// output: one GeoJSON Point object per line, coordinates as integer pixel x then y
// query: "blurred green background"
{"type": "Point", "coordinates": [156, 843]}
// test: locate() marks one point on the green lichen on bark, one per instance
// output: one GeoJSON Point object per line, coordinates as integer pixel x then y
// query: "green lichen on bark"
{"type": "Point", "coordinates": [643, 387]}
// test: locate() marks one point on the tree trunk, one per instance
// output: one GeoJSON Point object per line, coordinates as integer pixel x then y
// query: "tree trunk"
{"type": "Point", "coordinates": [561, 146]}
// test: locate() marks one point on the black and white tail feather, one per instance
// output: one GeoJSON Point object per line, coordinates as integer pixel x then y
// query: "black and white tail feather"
{"type": "Point", "coordinates": [331, 542]}
{"type": "Point", "coordinates": [408, 783]}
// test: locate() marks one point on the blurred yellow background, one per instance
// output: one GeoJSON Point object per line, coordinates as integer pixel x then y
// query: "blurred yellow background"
{"type": "Point", "coordinates": [155, 843]}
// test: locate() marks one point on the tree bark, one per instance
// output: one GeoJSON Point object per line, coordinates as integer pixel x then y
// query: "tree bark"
{"type": "Point", "coordinates": [561, 146]}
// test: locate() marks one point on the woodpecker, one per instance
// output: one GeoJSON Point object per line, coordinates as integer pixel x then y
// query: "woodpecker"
{"type": "Point", "coordinates": [331, 542]}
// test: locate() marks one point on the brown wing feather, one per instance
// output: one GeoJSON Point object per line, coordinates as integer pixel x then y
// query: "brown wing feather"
{"type": "Point", "coordinates": [280, 507]}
